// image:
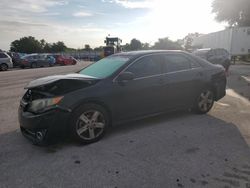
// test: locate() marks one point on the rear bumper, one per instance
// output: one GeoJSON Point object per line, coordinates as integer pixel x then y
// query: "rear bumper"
{"type": "Point", "coordinates": [220, 89]}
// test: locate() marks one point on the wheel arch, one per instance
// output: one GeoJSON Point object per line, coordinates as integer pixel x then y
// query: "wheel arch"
{"type": "Point", "coordinates": [97, 102]}
{"type": "Point", "coordinates": [212, 86]}
{"type": "Point", "coordinates": [5, 64]}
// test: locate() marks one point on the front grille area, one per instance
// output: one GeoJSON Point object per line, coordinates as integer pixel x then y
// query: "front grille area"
{"type": "Point", "coordinates": [31, 95]}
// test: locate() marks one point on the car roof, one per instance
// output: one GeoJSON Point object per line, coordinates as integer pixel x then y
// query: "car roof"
{"type": "Point", "coordinates": [30, 55]}
{"type": "Point", "coordinates": [134, 54]}
{"type": "Point", "coordinates": [203, 50]}
{"type": "Point", "coordinates": [143, 52]}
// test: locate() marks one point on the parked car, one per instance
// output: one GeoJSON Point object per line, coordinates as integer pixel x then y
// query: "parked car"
{"type": "Point", "coordinates": [51, 59]}
{"type": "Point", "coordinates": [5, 61]}
{"type": "Point", "coordinates": [118, 88]}
{"type": "Point", "coordinates": [36, 60]}
{"type": "Point", "coordinates": [215, 56]}
{"type": "Point", "coordinates": [15, 58]}
{"type": "Point", "coordinates": [65, 60]}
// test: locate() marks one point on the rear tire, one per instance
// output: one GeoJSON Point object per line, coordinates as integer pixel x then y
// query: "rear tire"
{"type": "Point", "coordinates": [204, 102]}
{"type": "Point", "coordinates": [4, 67]}
{"type": "Point", "coordinates": [89, 123]}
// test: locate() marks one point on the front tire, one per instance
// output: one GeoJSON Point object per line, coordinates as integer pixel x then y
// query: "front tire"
{"type": "Point", "coordinates": [89, 123]}
{"type": "Point", "coordinates": [204, 102]}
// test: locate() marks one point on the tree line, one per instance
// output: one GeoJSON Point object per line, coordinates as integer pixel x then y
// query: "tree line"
{"type": "Point", "coordinates": [32, 45]}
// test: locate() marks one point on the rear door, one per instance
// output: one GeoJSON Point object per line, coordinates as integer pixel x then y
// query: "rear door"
{"type": "Point", "coordinates": [142, 95]}
{"type": "Point", "coordinates": [36, 59]}
{"type": "Point", "coordinates": [182, 78]}
{"type": "Point", "coordinates": [43, 60]}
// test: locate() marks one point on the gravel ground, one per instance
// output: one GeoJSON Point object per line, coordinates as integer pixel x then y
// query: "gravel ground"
{"type": "Point", "coordinates": [174, 150]}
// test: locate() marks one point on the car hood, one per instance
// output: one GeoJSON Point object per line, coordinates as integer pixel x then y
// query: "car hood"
{"type": "Point", "coordinates": [55, 78]}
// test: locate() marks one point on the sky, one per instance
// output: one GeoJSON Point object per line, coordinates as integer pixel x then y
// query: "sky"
{"type": "Point", "coordinates": [80, 22]}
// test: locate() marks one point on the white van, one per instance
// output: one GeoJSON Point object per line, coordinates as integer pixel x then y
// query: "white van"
{"type": "Point", "coordinates": [5, 61]}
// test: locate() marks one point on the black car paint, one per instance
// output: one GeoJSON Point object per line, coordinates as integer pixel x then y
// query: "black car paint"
{"type": "Point", "coordinates": [124, 100]}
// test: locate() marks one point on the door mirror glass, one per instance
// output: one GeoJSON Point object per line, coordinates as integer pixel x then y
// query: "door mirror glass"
{"type": "Point", "coordinates": [125, 76]}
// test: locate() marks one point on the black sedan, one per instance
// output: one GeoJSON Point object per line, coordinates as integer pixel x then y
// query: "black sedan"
{"type": "Point", "coordinates": [118, 88]}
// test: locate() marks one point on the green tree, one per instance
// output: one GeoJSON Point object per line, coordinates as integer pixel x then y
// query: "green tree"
{"type": "Point", "coordinates": [145, 46]}
{"type": "Point", "coordinates": [58, 47]}
{"type": "Point", "coordinates": [126, 47]}
{"type": "Point", "coordinates": [166, 44]}
{"type": "Point", "coordinates": [188, 40]}
{"type": "Point", "coordinates": [42, 43]}
{"type": "Point", "coordinates": [135, 45]}
{"type": "Point", "coordinates": [47, 48]}
{"type": "Point", "coordinates": [234, 12]}
{"type": "Point", "coordinates": [32, 45]}
{"type": "Point", "coordinates": [26, 45]}
{"type": "Point", "coordinates": [87, 47]}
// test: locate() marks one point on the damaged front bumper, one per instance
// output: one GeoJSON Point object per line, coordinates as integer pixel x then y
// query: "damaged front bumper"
{"type": "Point", "coordinates": [42, 128]}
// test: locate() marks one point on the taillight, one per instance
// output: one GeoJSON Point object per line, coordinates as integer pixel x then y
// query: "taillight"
{"type": "Point", "coordinates": [226, 72]}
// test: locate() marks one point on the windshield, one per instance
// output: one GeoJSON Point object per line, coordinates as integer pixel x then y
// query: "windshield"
{"type": "Point", "coordinates": [105, 67]}
{"type": "Point", "coordinates": [28, 57]}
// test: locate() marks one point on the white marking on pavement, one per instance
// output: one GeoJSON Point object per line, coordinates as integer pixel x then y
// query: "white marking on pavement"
{"type": "Point", "coordinates": [223, 104]}
{"type": "Point", "coordinates": [246, 78]}
{"type": "Point", "coordinates": [232, 93]}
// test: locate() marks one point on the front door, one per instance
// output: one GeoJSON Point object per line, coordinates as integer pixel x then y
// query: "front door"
{"type": "Point", "coordinates": [140, 96]}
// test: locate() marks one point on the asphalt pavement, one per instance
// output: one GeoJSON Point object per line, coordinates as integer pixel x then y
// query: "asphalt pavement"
{"type": "Point", "coordinates": [178, 149]}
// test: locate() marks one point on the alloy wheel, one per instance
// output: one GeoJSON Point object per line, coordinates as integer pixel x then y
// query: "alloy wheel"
{"type": "Point", "coordinates": [205, 101]}
{"type": "Point", "coordinates": [90, 125]}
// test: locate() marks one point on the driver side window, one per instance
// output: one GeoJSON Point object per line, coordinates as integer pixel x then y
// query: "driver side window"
{"type": "Point", "coordinates": [146, 66]}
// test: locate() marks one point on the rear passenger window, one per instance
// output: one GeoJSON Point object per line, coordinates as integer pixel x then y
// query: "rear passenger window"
{"type": "Point", "coordinates": [2, 55]}
{"type": "Point", "coordinates": [175, 63]}
{"type": "Point", "coordinates": [146, 66]}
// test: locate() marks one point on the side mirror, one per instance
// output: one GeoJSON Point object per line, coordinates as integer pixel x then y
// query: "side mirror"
{"type": "Point", "coordinates": [125, 76]}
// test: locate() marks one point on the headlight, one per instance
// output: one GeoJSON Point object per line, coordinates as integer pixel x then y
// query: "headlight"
{"type": "Point", "coordinates": [40, 105]}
